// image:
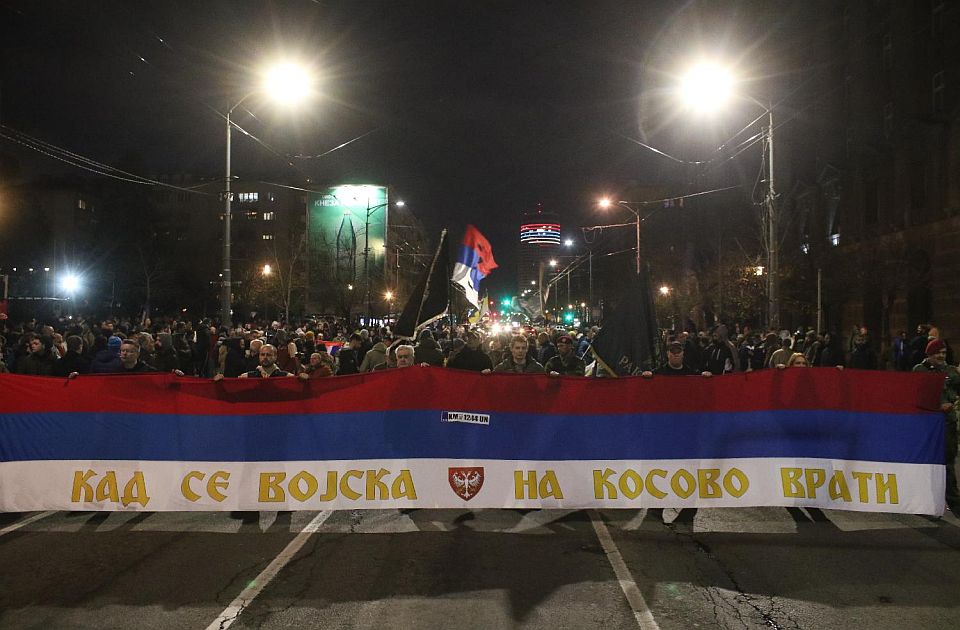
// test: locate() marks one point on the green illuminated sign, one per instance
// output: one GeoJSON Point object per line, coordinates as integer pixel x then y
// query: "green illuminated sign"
{"type": "Point", "coordinates": [348, 226]}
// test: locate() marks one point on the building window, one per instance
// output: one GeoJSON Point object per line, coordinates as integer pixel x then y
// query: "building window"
{"type": "Point", "coordinates": [805, 248]}
{"type": "Point", "coordinates": [938, 86]}
{"type": "Point", "coordinates": [81, 204]}
{"type": "Point", "coordinates": [269, 216]}
{"type": "Point", "coordinates": [266, 237]}
{"type": "Point", "coordinates": [835, 240]}
{"type": "Point", "coordinates": [248, 197]}
{"type": "Point", "coordinates": [272, 197]}
{"type": "Point", "coordinates": [888, 120]}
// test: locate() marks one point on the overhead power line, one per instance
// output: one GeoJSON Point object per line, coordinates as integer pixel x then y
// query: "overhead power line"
{"type": "Point", "coordinates": [80, 161]}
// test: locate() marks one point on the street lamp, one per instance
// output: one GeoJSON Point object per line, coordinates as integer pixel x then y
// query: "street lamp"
{"type": "Point", "coordinates": [606, 203]}
{"type": "Point", "coordinates": [664, 290]}
{"type": "Point", "coordinates": [267, 270]}
{"type": "Point", "coordinates": [286, 83]}
{"type": "Point", "coordinates": [710, 86]}
{"type": "Point", "coordinates": [388, 296]}
{"type": "Point", "coordinates": [70, 283]}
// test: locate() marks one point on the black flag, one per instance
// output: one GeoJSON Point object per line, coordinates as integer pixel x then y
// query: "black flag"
{"type": "Point", "coordinates": [430, 298]}
{"type": "Point", "coordinates": [629, 341]}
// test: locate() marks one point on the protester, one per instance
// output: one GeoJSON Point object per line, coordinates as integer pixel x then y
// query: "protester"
{"type": "Point", "coordinates": [268, 367]}
{"type": "Point", "coordinates": [40, 361]}
{"type": "Point", "coordinates": [130, 362]}
{"type": "Point", "coordinates": [675, 365]}
{"type": "Point", "coordinates": [470, 357]}
{"type": "Point", "coordinates": [518, 361]}
{"type": "Point", "coordinates": [319, 367]}
{"type": "Point", "coordinates": [936, 361]}
{"type": "Point", "coordinates": [73, 360]}
{"type": "Point", "coordinates": [565, 362]}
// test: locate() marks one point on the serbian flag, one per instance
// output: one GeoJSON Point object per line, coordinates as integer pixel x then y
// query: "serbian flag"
{"type": "Point", "coordinates": [474, 262]}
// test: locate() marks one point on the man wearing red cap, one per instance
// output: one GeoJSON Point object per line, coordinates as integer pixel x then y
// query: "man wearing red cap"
{"type": "Point", "coordinates": [936, 361]}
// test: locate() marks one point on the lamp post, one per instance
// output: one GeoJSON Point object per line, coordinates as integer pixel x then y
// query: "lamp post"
{"type": "Point", "coordinates": [285, 83]}
{"type": "Point", "coordinates": [606, 203]}
{"type": "Point", "coordinates": [709, 86]}
{"type": "Point", "coordinates": [366, 249]}
{"type": "Point", "coordinates": [366, 244]}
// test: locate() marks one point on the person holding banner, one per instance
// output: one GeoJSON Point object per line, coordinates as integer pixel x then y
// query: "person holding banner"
{"type": "Point", "coordinates": [936, 361]}
{"type": "Point", "coordinates": [675, 365]}
{"type": "Point", "coordinates": [130, 358]}
{"type": "Point", "coordinates": [268, 367]}
{"type": "Point", "coordinates": [518, 361]}
{"type": "Point", "coordinates": [565, 362]}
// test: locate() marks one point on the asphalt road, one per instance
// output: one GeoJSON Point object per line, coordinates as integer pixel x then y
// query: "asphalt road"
{"type": "Point", "coordinates": [714, 568]}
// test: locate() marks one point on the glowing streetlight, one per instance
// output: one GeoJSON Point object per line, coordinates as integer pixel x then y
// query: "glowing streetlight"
{"type": "Point", "coordinates": [664, 290]}
{"type": "Point", "coordinates": [533, 282]}
{"type": "Point", "coordinates": [568, 242]}
{"type": "Point", "coordinates": [267, 270]}
{"type": "Point", "coordinates": [706, 87]}
{"type": "Point", "coordinates": [284, 83]}
{"type": "Point", "coordinates": [604, 203]}
{"type": "Point", "coordinates": [400, 203]}
{"type": "Point", "coordinates": [388, 295]}
{"type": "Point", "coordinates": [70, 283]}
{"type": "Point", "coordinates": [349, 287]}
{"type": "Point", "coordinates": [287, 83]}
{"type": "Point", "coordinates": [553, 262]}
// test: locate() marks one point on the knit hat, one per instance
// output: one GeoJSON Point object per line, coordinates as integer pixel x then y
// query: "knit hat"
{"type": "Point", "coordinates": [114, 342]}
{"type": "Point", "coordinates": [935, 346]}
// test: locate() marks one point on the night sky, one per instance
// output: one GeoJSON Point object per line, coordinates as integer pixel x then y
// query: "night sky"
{"type": "Point", "coordinates": [477, 111]}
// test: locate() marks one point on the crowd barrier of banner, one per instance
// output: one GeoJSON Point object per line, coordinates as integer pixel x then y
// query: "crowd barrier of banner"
{"type": "Point", "coordinates": [430, 437]}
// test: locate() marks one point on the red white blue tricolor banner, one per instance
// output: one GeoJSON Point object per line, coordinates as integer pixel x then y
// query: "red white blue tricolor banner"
{"type": "Point", "coordinates": [432, 437]}
{"type": "Point", "coordinates": [474, 263]}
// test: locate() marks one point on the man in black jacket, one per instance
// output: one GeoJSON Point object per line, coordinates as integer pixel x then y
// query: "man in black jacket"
{"type": "Point", "coordinates": [73, 360]}
{"type": "Point", "coordinates": [348, 359]}
{"type": "Point", "coordinates": [471, 357]}
{"type": "Point", "coordinates": [130, 362]}
{"type": "Point", "coordinates": [39, 361]}
{"type": "Point", "coordinates": [565, 362]}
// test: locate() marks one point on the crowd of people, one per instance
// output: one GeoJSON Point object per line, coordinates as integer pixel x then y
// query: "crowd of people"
{"type": "Point", "coordinates": [325, 347]}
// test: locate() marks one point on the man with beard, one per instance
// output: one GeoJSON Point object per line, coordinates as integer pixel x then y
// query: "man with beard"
{"type": "Point", "coordinates": [268, 367]}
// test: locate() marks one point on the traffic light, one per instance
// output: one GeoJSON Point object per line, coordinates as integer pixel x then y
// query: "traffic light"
{"type": "Point", "coordinates": [506, 301]}
{"type": "Point", "coordinates": [568, 317]}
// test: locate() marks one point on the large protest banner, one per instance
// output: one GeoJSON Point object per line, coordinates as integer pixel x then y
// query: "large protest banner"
{"type": "Point", "coordinates": [430, 437]}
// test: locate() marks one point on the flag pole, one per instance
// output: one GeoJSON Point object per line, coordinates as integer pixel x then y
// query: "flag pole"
{"type": "Point", "coordinates": [433, 264]}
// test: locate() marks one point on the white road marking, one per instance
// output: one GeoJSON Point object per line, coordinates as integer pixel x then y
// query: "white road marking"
{"type": "Point", "coordinates": [243, 600]}
{"type": "Point", "coordinates": [30, 519]}
{"type": "Point", "coordinates": [638, 604]}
